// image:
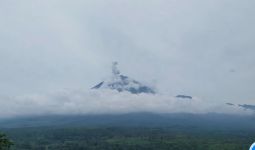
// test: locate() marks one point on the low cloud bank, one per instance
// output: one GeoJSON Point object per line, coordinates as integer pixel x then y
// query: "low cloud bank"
{"type": "Point", "coordinates": [80, 102]}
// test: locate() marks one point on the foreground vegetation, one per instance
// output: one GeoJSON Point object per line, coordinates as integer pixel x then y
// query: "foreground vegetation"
{"type": "Point", "coordinates": [128, 138]}
{"type": "Point", "coordinates": [5, 143]}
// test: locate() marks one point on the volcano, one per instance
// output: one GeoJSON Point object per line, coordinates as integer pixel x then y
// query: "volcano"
{"type": "Point", "coordinates": [123, 83]}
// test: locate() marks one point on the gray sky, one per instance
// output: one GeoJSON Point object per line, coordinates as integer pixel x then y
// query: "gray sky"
{"type": "Point", "coordinates": [202, 48]}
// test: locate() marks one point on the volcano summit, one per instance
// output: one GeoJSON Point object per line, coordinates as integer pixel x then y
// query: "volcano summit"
{"type": "Point", "coordinates": [122, 83]}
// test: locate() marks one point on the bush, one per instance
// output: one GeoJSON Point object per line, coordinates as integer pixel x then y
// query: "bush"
{"type": "Point", "coordinates": [5, 143]}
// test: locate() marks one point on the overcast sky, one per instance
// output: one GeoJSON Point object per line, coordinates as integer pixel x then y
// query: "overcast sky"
{"type": "Point", "coordinates": [202, 48]}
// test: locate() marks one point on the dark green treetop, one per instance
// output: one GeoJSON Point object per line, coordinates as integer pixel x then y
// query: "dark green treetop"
{"type": "Point", "coordinates": [5, 143]}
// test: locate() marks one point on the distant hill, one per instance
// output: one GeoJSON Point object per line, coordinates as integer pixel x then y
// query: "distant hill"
{"type": "Point", "coordinates": [184, 120]}
{"type": "Point", "coordinates": [246, 106]}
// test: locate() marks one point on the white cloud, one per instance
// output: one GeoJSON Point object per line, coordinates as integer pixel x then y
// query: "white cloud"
{"type": "Point", "coordinates": [186, 46]}
{"type": "Point", "coordinates": [106, 102]}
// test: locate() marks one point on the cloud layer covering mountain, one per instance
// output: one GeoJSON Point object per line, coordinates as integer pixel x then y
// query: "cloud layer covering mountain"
{"type": "Point", "coordinates": [79, 102]}
{"type": "Point", "coordinates": [191, 47]}
{"type": "Point", "coordinates": [194, 47]}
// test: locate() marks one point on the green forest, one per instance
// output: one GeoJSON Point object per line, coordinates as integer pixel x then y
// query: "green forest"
{"type": "Point", "coordinates": [124, 138]}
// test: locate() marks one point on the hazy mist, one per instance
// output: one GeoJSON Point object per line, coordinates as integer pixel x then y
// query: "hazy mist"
{"type": "Point", "coordinates": [200, 48]}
